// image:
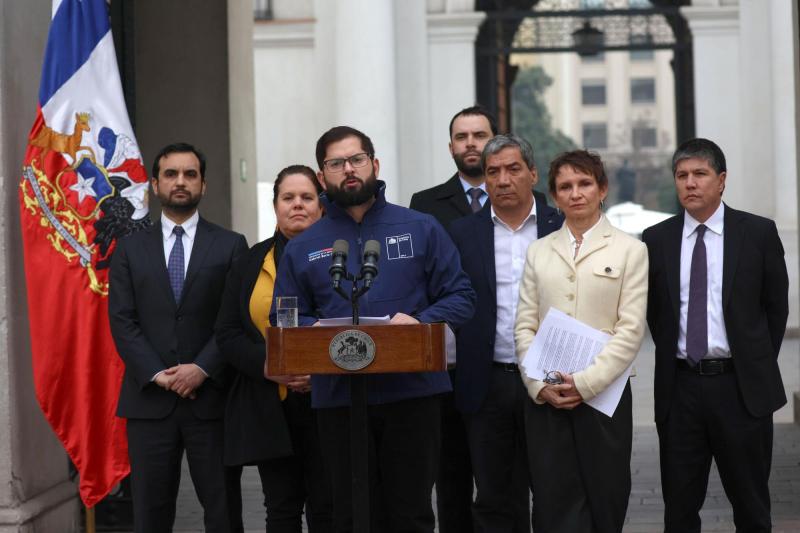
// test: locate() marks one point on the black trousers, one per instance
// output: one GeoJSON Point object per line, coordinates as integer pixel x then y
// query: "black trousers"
{"type": "Point", "coordinates": [155, 449]}
{"type": "Point", "coordinates": [293, 483]}
{"type": "Point", "coordinates": [497, 445]}
{"type": "Point", "coordinates": [403, 453]}
{"type": "Point", "coordinates": [580, 467]}
{"type": "Point", "coordinates": [708, 419]}
{"type": "Point", "coordinates": [454, 485]}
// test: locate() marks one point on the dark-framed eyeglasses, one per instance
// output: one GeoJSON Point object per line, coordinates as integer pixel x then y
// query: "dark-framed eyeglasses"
{"type": "Point", "coordinates": [553, 377]}
{"type": "Point", "coordinates": [355, 160]}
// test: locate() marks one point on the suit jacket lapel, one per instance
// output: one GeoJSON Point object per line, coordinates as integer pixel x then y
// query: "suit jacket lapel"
{"type": "Point", "coordinates": [453, 192]}
{"type": "Point", "coordinates": [598, 238]}
{"type": "Point", "coordinates": [562, 247]}
{"type": "Point", "coordinates": [158, 264]}
{"type": "Point", "coordinates": [203, 239]}
{"type": "Point", "coordinates": [485, 238]}
{"type": "Point", "coordinates": [732, 237]}
{"type": "Point", "coordinates": [672, 260]}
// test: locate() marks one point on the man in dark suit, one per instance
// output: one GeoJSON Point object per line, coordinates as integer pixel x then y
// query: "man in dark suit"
{"type": "Point", "coordinates": [717, 309]}
{"type": "Point", "coordinates": [490, 392]}
{"type": "Point", "coordinates": [465, 192]}
{"type": "Point", "coordinates": [165, 288]}
{"type": "Point", "coordinates": [461, 195]}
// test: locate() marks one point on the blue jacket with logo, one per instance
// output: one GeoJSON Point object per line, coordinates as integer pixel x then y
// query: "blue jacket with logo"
{"type": "Point", "coordinates": [419, 274]}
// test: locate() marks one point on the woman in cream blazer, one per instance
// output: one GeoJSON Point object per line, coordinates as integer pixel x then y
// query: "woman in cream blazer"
{"type": "Point", "coordinates": [579, 458]}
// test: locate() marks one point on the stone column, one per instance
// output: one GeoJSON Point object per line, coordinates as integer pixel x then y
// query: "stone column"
{"type": "Point", "coordinates": [241, 102]}
{"type": "Point", "coordinates": [413, 100]}
{"type": "Point", "coordinates": [783, 107]}
{"type": "Point", "coordinates": [451, 65]}
{"type": "Point", "coordinates": [718, 88]}
{"type": "Point", "coordinates": [364, 77]}
{"type": "Point", "coordinates": [35, 491]}
{"type": "Point", "coordinates": [290, 109]}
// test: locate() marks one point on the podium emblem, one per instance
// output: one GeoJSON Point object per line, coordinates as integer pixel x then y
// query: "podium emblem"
{"type": "Point", "coordinates": [352, 350]}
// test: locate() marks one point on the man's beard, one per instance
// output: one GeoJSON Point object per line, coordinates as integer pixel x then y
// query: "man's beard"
{"type": "Point", "coordinates": [472, 171]}
{"type": "Point", "coordinates": [186, 205]}
{"type": "Point", "coordinates": [350, 198]}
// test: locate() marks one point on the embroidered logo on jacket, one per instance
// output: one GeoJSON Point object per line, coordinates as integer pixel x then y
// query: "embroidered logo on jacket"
{"type": "Point", "coordinates": [399, 247]}
{"type": "Point", "coordinates": [320, 254]}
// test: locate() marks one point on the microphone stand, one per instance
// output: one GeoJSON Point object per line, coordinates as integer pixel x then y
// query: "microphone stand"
{"type": "Point", "coordinates": [359, 422]}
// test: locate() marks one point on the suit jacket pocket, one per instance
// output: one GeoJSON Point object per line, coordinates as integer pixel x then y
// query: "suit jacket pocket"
{"type": "Point", "coordinates": [607, 271]}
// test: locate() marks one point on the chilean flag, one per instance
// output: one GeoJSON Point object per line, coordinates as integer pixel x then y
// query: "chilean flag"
{"type": "Point", "coordinates": [83, 186]}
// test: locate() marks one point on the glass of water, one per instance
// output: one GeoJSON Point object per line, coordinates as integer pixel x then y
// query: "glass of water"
{"type": "Point", "coordinates": [286, 311]}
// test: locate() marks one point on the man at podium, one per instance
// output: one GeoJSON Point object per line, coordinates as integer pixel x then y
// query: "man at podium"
{"type": "Point", "coordinates": [420, 280]}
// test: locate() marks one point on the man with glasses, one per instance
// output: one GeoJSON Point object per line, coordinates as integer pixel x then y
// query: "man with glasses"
{"type": "Point", "coordinates": [420, 280]}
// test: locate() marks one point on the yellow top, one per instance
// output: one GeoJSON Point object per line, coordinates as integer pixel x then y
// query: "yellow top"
{"type": "Point", "coordinates": [261, 300]}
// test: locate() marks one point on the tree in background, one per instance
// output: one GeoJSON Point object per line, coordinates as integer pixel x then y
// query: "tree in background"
{"type": "Point", "coordinates": [531, 119]}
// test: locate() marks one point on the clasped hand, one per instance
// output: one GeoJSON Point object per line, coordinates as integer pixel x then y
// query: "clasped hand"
{"type": "Point", "coordinates": [183, 379]}
{"type": "Point", "coordinates": [563, 395]}
{"type": "Point", "coordinates": [294, 383]}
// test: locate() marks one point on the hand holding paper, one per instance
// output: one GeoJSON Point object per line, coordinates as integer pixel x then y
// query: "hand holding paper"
{"type": "Point", "coordinates": [567, 345]}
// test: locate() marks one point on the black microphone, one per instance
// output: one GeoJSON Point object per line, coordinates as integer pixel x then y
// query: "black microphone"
{"type": "Point", "coordinates": [338, 269]}
{"type": "Point", "coordinates": [369, 267]}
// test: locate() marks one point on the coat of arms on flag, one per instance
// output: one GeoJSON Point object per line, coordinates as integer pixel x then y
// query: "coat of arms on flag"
{"type": "Point", "coordinates": [83, 187]}
{"type": "Point", "coordinates": [87, 196]}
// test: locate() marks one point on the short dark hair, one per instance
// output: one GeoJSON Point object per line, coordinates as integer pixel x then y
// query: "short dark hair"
{"type": "Point", "coordinates": [337, 134]}
{"type": "Point", "coordinates": [179, 148]}
{"type": "Point", "coordinates": [294, 169]}
{"type": "Point", "coordinates": [586, 162]}
{"type": "Point", "coordinates": [702, 149]}
{"type": "Point", "coordinates": [472, 111]}
{"type": "Point", "coordinates": [508, 140]}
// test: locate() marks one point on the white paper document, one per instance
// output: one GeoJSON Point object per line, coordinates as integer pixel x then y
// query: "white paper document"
{"type": "Point", "coordinates": [567, 345]}
{"type": "Point", "coordinates": [348, 321]}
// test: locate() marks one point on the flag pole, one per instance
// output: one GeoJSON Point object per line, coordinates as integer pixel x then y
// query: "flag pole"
{"type": "Point", "coordinates": [90, 527]}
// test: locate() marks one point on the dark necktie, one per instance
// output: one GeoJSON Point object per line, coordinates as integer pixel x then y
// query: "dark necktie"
{"type": "Point", "coordinates": [175, 265]}
{"type": "Point", "coordinates": [475, 193]}
{"type": "Point", "coordinates": [697, 316]}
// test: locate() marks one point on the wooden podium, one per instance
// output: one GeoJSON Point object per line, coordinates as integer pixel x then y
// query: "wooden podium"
{"type": "Point", "coordinates": [415, 348]}
{"type": "Point", "coordinates": [328, 349]}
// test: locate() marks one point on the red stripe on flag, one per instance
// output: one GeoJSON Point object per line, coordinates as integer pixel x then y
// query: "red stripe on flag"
{"type": "Point", "coordinates": [77, 372]}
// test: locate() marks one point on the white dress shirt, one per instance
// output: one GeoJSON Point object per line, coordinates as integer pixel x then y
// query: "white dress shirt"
{"type": "Point", "coordinates": [718, 347]}
{"type": "Point", "coordinates": [510, 249]}
{"type": "Point", "coordinates": [189, 230]}
{"type": "Point", "coordinates": [574, 241]}
{"type": "Point", "coordinates": [467, 186]}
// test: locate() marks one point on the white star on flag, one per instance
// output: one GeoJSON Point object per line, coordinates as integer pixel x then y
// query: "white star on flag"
{"type": "Point", "coordinates": [83, 187]}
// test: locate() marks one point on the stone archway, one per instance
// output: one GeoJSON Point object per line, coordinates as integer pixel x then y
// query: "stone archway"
{"type": "Point", "coordinates": [499, 31]}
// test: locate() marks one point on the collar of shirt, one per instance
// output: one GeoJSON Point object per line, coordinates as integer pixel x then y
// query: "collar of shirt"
{"type": "Point", "coordinates": [189, 226]}
{"type": "Point", "coordinates": [715, 222]}
{"type": "Point", "coordinates": [530, 218]}
{"type": "Point", "coordinates": [467, 186]}
{"type": "Point", "coordinates": [573, 240]}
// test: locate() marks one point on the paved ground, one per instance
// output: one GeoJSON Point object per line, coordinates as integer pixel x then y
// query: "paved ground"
{"type": "Point", "coordinates": [645, 508]}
